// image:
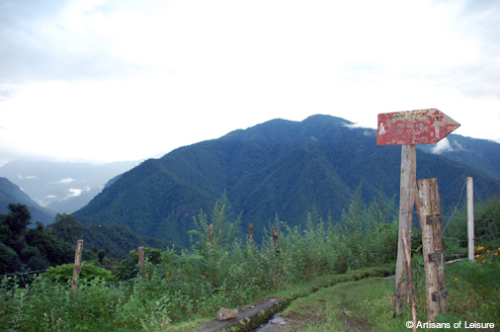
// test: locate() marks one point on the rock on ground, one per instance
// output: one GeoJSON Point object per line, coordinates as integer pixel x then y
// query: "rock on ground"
{"type": "Point", "coordinates": [225, 314]}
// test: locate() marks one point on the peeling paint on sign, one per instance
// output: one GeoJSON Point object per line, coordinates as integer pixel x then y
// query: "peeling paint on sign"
{"type": "Point", "coordinates": [427, 126]}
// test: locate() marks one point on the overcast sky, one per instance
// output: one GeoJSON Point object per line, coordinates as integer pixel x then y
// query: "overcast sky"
{"type": "Point", "coordinates": [123, 80]}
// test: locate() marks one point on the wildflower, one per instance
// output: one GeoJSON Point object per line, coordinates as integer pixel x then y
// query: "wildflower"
{"type": "Point", "coordinates": [456, 279]}
{"type": "Point", "coordinates": [484, 261]}
{"type": "Point", "coordinates": [487, 251]}
{"type": "Point", "coordinates": [482, 256]}
{"type": "Point", "coordinates": [477, 256]}
{"type": "Point", "coordinates": [496, 254]}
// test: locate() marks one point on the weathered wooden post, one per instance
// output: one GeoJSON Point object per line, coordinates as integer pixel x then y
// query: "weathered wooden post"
{"type": "Point", "coordinates": [250, 233]}
{"type": "Point", "coordinates": [211, 234]}
{"type": "Point", "coordinates": [411, 293]}
{"type": "Point", "coordinates": [409, 128]}
{"type": "Point", "coordinates": [407, 193]}
{"type": "Point", "coordinates": [470, 216]}
{"type": "Point", "coordinates": [142, 262]}
{"type": "Point", "coordinates": [435, 285]}
{"type": "Point", "coordinates": [276, 241]}
{"type": "Point", "coordinates": [77, 267]}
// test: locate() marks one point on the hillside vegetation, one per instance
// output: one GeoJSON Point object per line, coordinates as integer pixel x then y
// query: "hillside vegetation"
{"type": "Point", "coordinates": [279, 168]}
{"type": "Point", "coordinates": [192, 285]}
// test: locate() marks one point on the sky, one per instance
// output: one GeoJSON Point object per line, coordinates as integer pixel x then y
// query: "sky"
{"type": "Point", "coordinates": [109, 80]}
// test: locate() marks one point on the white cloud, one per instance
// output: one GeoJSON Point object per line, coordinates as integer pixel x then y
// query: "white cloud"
{"type": "Point", "coordinates": [65, 181]}
{"type": "Point", "coordinates": [442, 146]}
{"type": "Point", "coordinates": [185, 71]}
{"type": "Point", "coordinates": [28, 177]}
{"type": "Point", "coordinates": [352, 125]}
{"type": "Point", "coordinates": [74, 192]}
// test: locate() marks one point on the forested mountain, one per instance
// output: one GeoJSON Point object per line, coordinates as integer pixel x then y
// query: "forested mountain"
{"type": "Point", "coordinates": [117, 241]}
{"type": "Point", "coordinates": [278, 167]}
{"type": "Point", "coordinates": [62, 187]}
{"type": "Point", "coordinates": [480, 154]}
{"type": "Point", "coordinates": [10, 193]}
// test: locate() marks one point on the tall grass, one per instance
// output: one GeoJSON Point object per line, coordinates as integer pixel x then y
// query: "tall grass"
{"type": "Point", "coordinates": [196, 282]}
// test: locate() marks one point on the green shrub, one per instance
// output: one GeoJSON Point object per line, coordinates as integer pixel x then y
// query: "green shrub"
{"type": "Point", "coordinates": [64, 273]}
{"type": "Point", "coordinates": [28, 252]}
{"type": "Point", "coordinates": [9, 261]}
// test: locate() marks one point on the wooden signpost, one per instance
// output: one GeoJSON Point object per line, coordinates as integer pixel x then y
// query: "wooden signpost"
{"type": "Point", "coordinates": [409, 128]}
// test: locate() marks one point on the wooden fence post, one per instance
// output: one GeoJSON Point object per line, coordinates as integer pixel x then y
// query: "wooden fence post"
{"type": "Point", "coordinates": [211, 234]}
{"type": "Point", "coordinates": [432, 242]}
{"type": "Point", "coordinates": [142, 263]}
{"type": "Point", "coordinates": [406, 201]}
{"type": "Point", "coordinates": [250, 233]}
{"type": "Point", "coordinates": [470, 216]}
{"type": "Point", "coordinates": [77, 267]}
{"type": "Point", "coordinates": [276, 241]}
{"type": "Point", "coordinates": [410, 283]}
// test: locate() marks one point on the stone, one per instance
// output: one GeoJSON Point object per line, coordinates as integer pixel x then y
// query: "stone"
{"type": "Point", "coordinates": [279, 321]}
{"type": "Point", "coordinates": [225, 313]}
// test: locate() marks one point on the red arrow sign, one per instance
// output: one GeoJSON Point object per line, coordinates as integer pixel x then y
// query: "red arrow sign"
{"type": "Point", "coordinates": [414, 127]}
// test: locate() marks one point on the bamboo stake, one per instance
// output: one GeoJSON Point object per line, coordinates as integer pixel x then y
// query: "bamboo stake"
{"type": "Point", "coordinates": [250, 233]}
{"type": "Point", "coordinates": [276, 241]}
{"type": "Point", "coordinates": [211, 234]}
{"type": "Point", "coordinates": [142, 262]}
{"type": "Point", "coordinates": [470, 216]}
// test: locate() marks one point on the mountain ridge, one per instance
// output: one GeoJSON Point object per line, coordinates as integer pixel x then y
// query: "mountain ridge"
{"type": "Point", "coordinates": [62, 187]}
{"type": "Point", "coordinates": [279, 167]}
{"type": "Point", "coordinates": [11, 193]}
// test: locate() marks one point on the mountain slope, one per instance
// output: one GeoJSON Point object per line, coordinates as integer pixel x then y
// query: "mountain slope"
{"type": "Point", "coordinates": [117, 241]}
{"type": "Point", "coordinates": [480, 154]}
{"type": "Point", "coordinates": [10, 193]}
{"type": "Point", "coordinates": [280, 166]}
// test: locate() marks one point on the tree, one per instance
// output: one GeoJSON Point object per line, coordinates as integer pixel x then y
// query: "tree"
{"type": "Point", "coordinates": [101, 255]}
{"type": "Point", "coordinates": [66, 228]}
{"type": "Point", "coordinates": [13, 224]}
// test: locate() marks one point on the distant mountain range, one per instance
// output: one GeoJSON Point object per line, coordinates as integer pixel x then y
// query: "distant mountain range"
{"type": "Point", "coordinates": [11, 193]}
{"type": "Point", "coordinates": [62, 187]}
{"type": "Point", "coordinates": [280, 167]}
{"type": "Point", "coordinates": [480, 154]}
{"type": "Point", "coordinates": [116, 240]}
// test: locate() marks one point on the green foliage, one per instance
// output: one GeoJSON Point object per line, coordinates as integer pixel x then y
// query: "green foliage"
{"type": "Point", "coordinates": [64, 273]}
{"type": "Point", "coordinates": [198, 281]}
{"type": "Point", "coordinates": [13, 226]}
{"type": "Point", "coordinates": [117, 241]}
{"type": "Point", "coordinates": [9, 261]}
{"type": "Point", "coordinates": [482, 277]}
{"type": "Point", "coordinates": [28, 252]}
{"type": "Point", "coordinates": [486, 226]}
{"type": "Point", "coordinates": [157, 320]}
{"type": "Point", "coordinates": [66, 228]}
{"type": "Point", "coordinates": [29, 249]}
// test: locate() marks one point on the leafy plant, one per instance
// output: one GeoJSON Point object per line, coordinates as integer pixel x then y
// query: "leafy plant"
{"type": "Point", "coordinates": [64, 273]}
